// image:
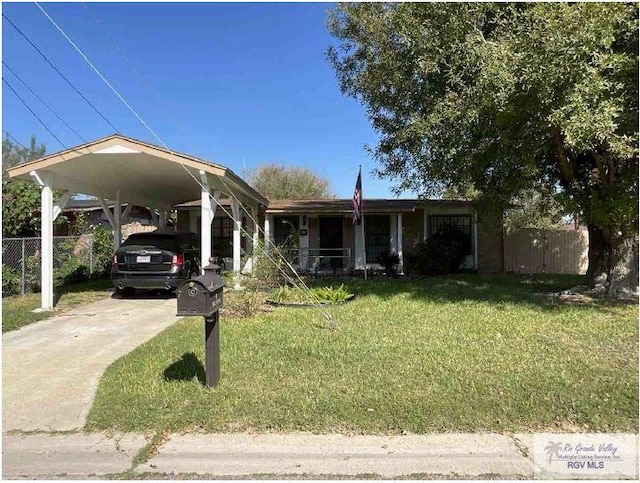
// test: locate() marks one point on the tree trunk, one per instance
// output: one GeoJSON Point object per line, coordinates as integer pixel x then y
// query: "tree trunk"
{"type": "Point", "coordinates": [613, 262]}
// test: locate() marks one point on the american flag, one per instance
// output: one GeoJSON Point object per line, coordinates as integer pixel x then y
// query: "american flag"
{"type": "Point", "coordinates": [357, 200]}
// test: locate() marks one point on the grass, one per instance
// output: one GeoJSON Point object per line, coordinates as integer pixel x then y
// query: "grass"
{"type": "Point", "coordinates": [464, 353]}
{"type": "Point", "coordinates": [18, 311]}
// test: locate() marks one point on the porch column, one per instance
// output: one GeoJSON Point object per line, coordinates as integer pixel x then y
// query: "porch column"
{"type": "Point", "coordinates": [206, 218]}
{"type": "Point", "coordinates": [46, 232]}
{"type": "Point", "coordinates": [268, 223]}
{"type": "Point", "coordinates": [303, 243]}
{"type": "Point", "coordinates": [358, 247]}
{"type": "Point", "coordinates": [237, 225]}
{"type": "Point", "coordinates": [393, 230]}
{"type": "Point", "coordinates": [399, 242]}
{"type": "Point", "coordinates": [256, 234]}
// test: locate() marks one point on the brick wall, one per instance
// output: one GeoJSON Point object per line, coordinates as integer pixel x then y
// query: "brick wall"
{"type": "Point", "coordinates": [490, 240]}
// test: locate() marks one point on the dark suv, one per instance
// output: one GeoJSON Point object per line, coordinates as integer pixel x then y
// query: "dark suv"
{"type": "Point", "coordinates": [155, 260]}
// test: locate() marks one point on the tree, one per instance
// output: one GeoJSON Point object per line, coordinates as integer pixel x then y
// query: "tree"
{"type": "Point", "coordinates": [20, 199]}
{"type": "Point", "coordinates": [278, 182]}
{"type": "Point", "coordinates": [506, 98]}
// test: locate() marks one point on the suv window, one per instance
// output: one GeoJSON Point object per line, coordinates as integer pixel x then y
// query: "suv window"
{"type": "Point", "coordinates": [163, 242]}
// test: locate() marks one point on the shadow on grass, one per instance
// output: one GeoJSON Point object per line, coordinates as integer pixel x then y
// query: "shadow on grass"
{"type": "Point", "coordinates": [529, 290]}
{"type": "Point", "coordinates": [185, 369]}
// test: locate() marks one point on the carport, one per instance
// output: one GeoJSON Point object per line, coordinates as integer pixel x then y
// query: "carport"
{"type": "Point", "coordinates": [130, 171]}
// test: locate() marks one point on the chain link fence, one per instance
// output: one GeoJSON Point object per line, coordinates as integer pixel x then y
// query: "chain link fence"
{"type": "Point", "coordinates": [21, 257]}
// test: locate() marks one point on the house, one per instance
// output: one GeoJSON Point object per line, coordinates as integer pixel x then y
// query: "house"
{"type": "Point", "coordinates": [321, 236]}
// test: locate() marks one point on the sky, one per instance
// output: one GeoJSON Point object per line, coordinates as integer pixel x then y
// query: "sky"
{"type": "Point", "coordinates": [236, 84]}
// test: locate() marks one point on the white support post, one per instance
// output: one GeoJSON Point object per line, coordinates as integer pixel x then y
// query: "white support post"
{"type": "Point", "coordinates": [237, 224]}
{"type": "Point", "coordinates": [206, 218]}
{"type": "Point", "coordinates": [46, 256]}
{"type": "Point", "coordinates": [61, 204]}
{"type": "Point", "coordinates": [399, 242]}
{"type": "Point", "coordinates": [268, 223]}
{"type": "Point", "coordinates": [424, 224]}
{"type": "Point", "coordinates": [393, 230]}
{"type": "Point", "coordinates": [117, 226]}
{"type": "Point", "coordinates": [107, 211]}
{"type": "Point", "coordinates": [256, 235]}
{"type": "Point", "coordinates": [154, 217]}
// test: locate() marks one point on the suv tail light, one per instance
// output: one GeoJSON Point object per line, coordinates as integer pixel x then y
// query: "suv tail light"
{"type": "Point", "coordinates": [178, 260]}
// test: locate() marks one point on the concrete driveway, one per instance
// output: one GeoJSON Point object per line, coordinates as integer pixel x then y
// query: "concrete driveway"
{"type": "Point", "coordinates": [51, 369]}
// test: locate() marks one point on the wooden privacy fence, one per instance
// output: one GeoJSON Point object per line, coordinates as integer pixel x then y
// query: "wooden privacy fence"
{"type": "Point", "coordinates": [546, 251]}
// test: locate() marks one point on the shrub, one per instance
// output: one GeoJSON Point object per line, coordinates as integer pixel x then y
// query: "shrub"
{"type": "Point", "coordinates": [72, 271]}
{"type": "Point", "coordinates": [32, 274]}
{"type": "Point", "coordinates": [268, 270]}
{"type": "Point", "coordinates": [389, 261]}
{"type": "Point", "coordinates": [324, 295]}
{"type": "Point", "coordinates": [442, 253]}
{"type": "Point", "coordinates": [10, 282]}
{"type": "Point", "coordinates": [243, 303]}
{"type": "Point", "coordinates": [102, 250]}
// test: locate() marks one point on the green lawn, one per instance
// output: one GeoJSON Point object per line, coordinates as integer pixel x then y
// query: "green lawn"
{"type": "Point", "coordinates": [18, 311]}
{"type": "Point", "coordinates": [464, 353]}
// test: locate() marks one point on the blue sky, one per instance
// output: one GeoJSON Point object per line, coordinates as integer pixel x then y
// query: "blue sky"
{"type": "Point", "coordinates": [238, 84]}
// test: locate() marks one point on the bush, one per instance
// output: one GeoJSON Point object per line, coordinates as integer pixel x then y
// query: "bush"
{"type": "Point", "coordinates": [32, 274]}
{"type": "Point", "coordinates": [72, 271]}
{"type": "Point", "coordinates": [268, 270]}
{"type": "Point", "coordinates": [243, 303]}
{"type": "Point", "coordinates": [10, 282]}
{"type": "Point", "coordinates": [443, 253]}
{"type": "Point", "coordinates": [389, 261]}
{"type": "Point", "coordinates": [102, 250]}
{"type": "Point", "coordinates": [323, 295]}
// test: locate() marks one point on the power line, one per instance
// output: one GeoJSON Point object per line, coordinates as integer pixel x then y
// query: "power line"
{"type": "Point", "coordinates": [43, 102]}
{"type": "Point", "coordinates": [59, 72]}
{"type": "Point", "coordinates": [310, 295]}
{"type": "Point", "coordinates": [33, 113]}
{"type": "Point", "coordinates": [15, 140]}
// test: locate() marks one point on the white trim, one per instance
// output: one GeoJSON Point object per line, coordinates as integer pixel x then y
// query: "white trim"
{"type": "Point", "coordinates": [46, 257]}
{"type": "Point", "coordinates": [475, 239]}
{"type": "Point", "coordinates": [61, 204]}
{"type": "Point", "coordinates": [116, 149]}
{"type": "Point", "coordinates": [107, 211]}
{"type": "Point", "coordinates": [393, 233]}
{"type": "Point", "coordinates": [237, 224]}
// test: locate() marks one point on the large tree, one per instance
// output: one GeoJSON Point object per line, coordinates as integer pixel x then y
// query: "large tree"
{"type": "Point", "coordinates": [20, 199]}
{"type": "Point", "coordinates": [504, 98]}
{"type": "Point", "coordinates": [279, 182]}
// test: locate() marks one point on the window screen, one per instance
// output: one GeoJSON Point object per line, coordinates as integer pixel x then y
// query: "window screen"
{"type": "Point", "coordinates": [452, 225]}
{"type": "Point", "coordinates": [377, 236]}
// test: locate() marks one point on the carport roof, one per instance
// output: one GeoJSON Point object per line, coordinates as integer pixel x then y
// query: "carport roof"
{"type": "Point", "coordinates": [142, 173]}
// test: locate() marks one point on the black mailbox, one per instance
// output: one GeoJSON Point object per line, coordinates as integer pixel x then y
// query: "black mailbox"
{"type": "Point", "coordinates": [201, 295]}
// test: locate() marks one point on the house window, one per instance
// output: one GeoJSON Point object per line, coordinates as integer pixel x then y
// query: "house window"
{"type": "Point", "coordinates": [222, 237]}
{"type": "Point", "coordinates": [377, 236]}
{"type": "Point", "coordinates": [450, 225]}
{"type": "Point", "coordinates": [285, 229]}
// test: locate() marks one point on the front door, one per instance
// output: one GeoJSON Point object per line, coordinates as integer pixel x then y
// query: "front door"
{"type": "Point", "coordinates": [331, 241]}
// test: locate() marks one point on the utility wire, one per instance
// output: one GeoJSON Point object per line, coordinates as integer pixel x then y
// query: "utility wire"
{"type": "Point", "coordinates": [15, 140]}
{"type": "Point", "coordinates": [310, 295]}
{"type": "Point", "coordinates": [43, 102]}
{"type": "Point", "coordinates": [33, 113]}
{"type": "Point", "coordinates": [60, 73]}
{"type": "Point", "coordinates": [176, 123]}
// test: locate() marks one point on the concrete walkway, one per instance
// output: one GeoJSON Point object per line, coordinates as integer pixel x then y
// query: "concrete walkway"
{"type": "Point", "coordinates": [50, 369]}
{"type": "Point", "coordinates": [242, 456]}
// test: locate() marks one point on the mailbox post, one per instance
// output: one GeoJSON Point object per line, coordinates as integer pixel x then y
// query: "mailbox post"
{"type": "Point", "coordinates": [202, 295]}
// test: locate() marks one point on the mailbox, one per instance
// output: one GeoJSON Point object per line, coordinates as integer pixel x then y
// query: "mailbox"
{"type": "Point", "coordinates": [201, 295]}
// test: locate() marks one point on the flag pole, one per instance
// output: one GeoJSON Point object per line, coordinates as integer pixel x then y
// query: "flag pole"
{"type": "Point", "coordinates": [364, 241]}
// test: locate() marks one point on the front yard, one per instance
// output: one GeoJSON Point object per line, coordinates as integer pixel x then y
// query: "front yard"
{"type": "Point", "coordinates": [463, 353]}
{"type": "Point", "coordinates": [17, 311]}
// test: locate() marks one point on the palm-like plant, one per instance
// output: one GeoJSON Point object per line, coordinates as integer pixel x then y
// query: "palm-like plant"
{"type": "Point", "coordinates": [552, 449]}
